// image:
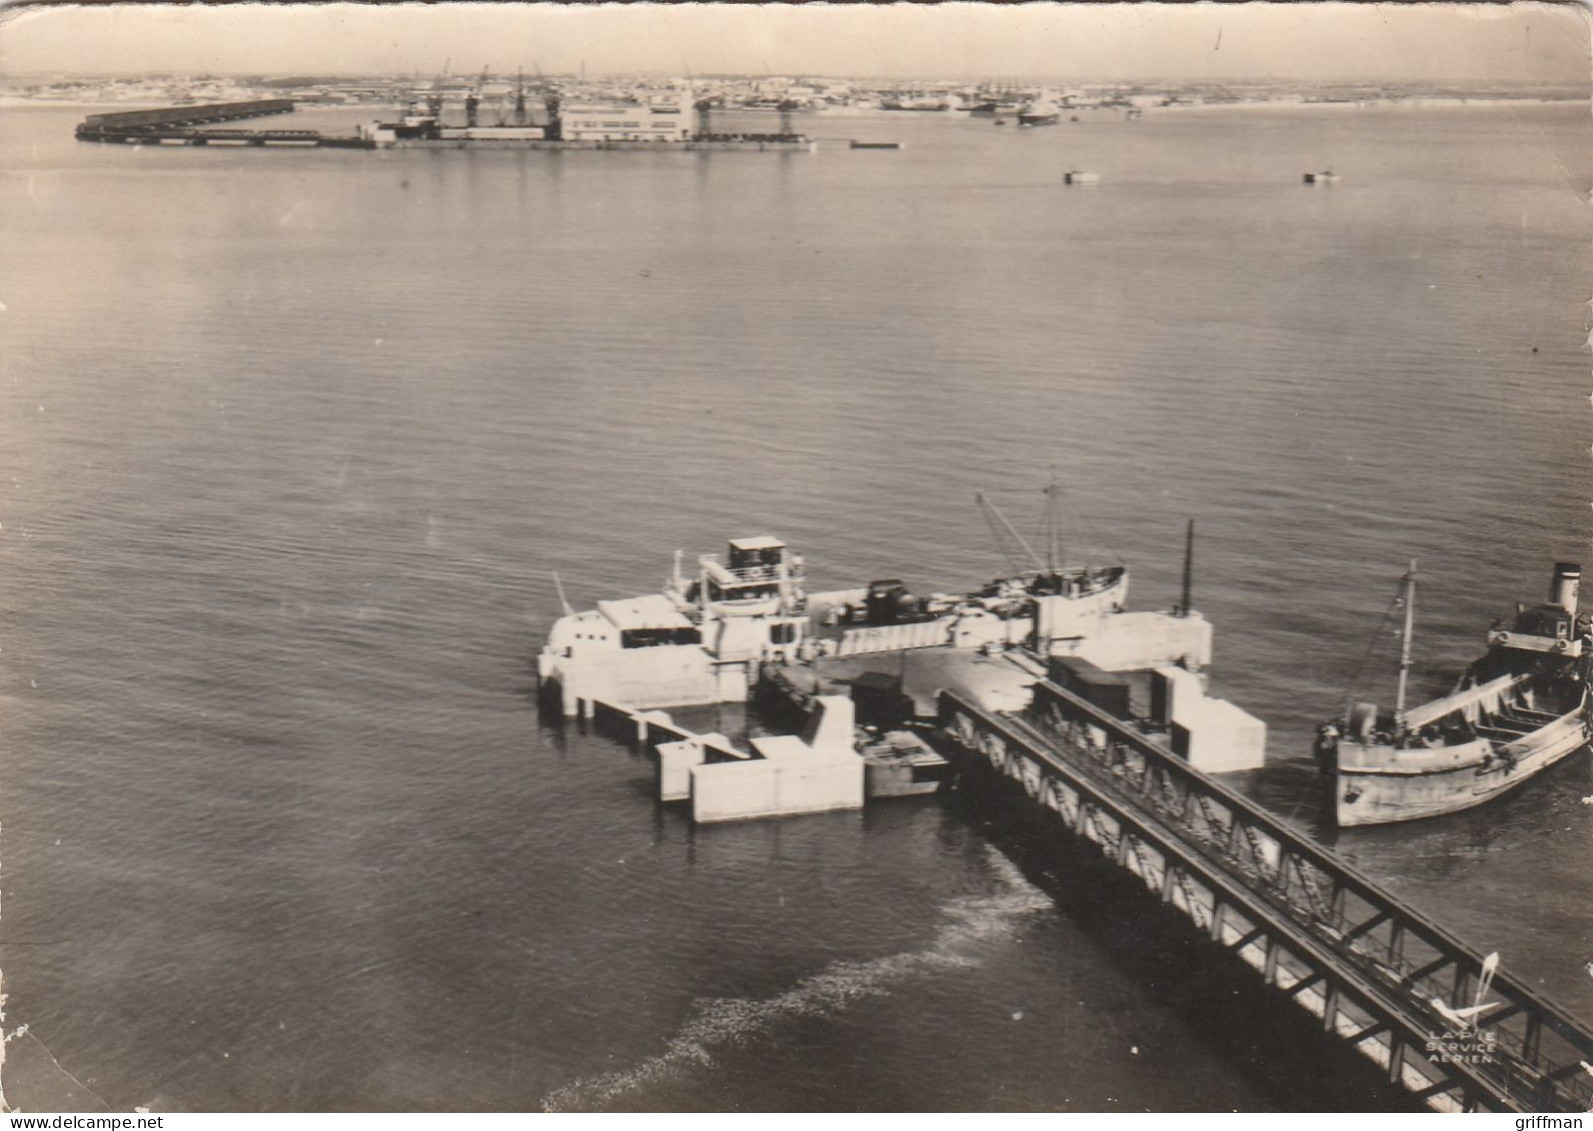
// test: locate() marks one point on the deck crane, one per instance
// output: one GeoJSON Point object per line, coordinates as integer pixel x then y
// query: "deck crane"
{"type": "Point", "coordinates": [1007, 539]}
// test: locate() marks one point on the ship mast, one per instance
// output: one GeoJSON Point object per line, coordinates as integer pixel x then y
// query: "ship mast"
{"type": "Point", "coordinates": [1404, 653]}
{"type": "Point", "coordinates": [1053, 560]}
{"type": "Point", "coordinates": [1189, 569]}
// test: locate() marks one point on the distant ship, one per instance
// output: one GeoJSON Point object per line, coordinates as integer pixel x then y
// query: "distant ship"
{"type": "Point", "coordinates": [995, 108]}
{"type": "Point", "coordinates": [1515, 712]}
{"type": "Point", "coordinates": [1039, 113]}
{"type": "Point", "coordinates": [922, 103]}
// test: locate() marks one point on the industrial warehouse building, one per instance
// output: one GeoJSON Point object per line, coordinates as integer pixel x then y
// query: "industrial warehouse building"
{"type": "Point", "coordinates": [628, 121]}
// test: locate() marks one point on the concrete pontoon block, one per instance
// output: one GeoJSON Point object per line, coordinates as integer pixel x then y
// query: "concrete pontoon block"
{"type": "Point", "coordinates": [1174, 693]}
{"type": "Point", "coordinates": [675, 762]}
{"type": "Point", "coordinates": [733, 791]}
{"type": "Point", "coordinates": [819, 785]}
{"type": "Point", "coordinates": [1135, 641]}
{"type": "Point", "coordinates": [829, 729]}
{"type": "Point", "coordinates": [1218, 737]}
{"type": "Point", "coordinates": [775, 787]}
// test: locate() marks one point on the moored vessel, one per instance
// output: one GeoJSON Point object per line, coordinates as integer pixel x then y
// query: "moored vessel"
{"type": "Point", "coordinates": [1516, 711]}
{"type": "Point", "coordinates": [1040, 112]}
{"type": "Point", "coordinates": [705, 638]}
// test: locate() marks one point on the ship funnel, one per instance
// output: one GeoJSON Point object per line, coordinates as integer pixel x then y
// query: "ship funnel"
{"type": "Point", "coordinates": [1567, 583]}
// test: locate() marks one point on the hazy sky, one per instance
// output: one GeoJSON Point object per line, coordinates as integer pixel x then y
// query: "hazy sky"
{"type": "Point", "coordinates": [1522, 42]}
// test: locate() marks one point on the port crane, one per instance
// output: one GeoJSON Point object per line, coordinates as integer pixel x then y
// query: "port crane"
{"type": "Point", "coordinates": [473, 99]}
{"type": "Point", "coordinates": [785, 107]}
{"type": "Point", "coordinates": [703, 107]}
{"type": "Point", "coordinates": [434, 96]}
{"type": "Point", "coordinates": [550, 94]}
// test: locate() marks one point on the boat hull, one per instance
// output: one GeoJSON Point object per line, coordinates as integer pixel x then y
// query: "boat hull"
{"type": "Point", "coordinates": [1386, 787]}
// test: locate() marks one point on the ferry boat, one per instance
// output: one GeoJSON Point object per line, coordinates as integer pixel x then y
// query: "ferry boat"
{"type": "Point", "coordinates": [708, 634]}
{"type": "Point", "coordinates": [1516, 711]}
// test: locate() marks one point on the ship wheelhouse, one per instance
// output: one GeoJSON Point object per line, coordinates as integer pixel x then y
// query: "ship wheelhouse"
{"type": "Point", "coordinates": [1552, 627]}
{"type": "Point", "coordinates": [752, 603]}
{"type": "Point", "coordinates": [755, 572]}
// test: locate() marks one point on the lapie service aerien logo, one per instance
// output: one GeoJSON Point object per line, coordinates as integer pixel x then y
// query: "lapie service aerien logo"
{"type": "Point", "coordinates": [1465, 1042]}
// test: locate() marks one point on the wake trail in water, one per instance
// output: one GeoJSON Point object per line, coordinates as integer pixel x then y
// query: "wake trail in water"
{"type": "Point", "coordinates": [716, 1022]}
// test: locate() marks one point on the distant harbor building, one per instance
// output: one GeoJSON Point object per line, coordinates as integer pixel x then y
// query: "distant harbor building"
{"type": "Point", "coordinates": [667, 119]}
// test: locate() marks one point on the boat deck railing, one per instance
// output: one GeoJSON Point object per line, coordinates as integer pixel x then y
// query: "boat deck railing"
{"type": "Point", "coordinates": [736, 575]}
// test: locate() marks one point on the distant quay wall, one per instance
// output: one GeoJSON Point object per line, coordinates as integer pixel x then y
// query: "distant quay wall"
{"type": "Point", "coordinates": [796, 146]}
{"type": "Point", "coordinates": [184, 125]}
{"type": "Point", "coordinates": [185, 134]}
{"type": "Point", "coordinates": [196, 115]}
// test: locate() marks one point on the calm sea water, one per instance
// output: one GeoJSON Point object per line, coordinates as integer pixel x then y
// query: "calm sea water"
{"type": "Point", "coordinates": [293, 442]}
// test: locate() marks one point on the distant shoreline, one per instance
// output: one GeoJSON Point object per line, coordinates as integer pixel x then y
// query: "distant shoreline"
{"type": "Point", "coordinates": [1447, 101]}
{"type": "Point", "coordinates": [16, 101]}
{"type": "Point", "coordinates": [1434, 103]}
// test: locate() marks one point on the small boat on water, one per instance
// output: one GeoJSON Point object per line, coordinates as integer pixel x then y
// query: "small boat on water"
{"type": "Point", "coordinates": [1074, 177]}
{"type": "Point", "coordinates": [1326, 177]}
{"type": "Point", "coordinates": [1515, 712]}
